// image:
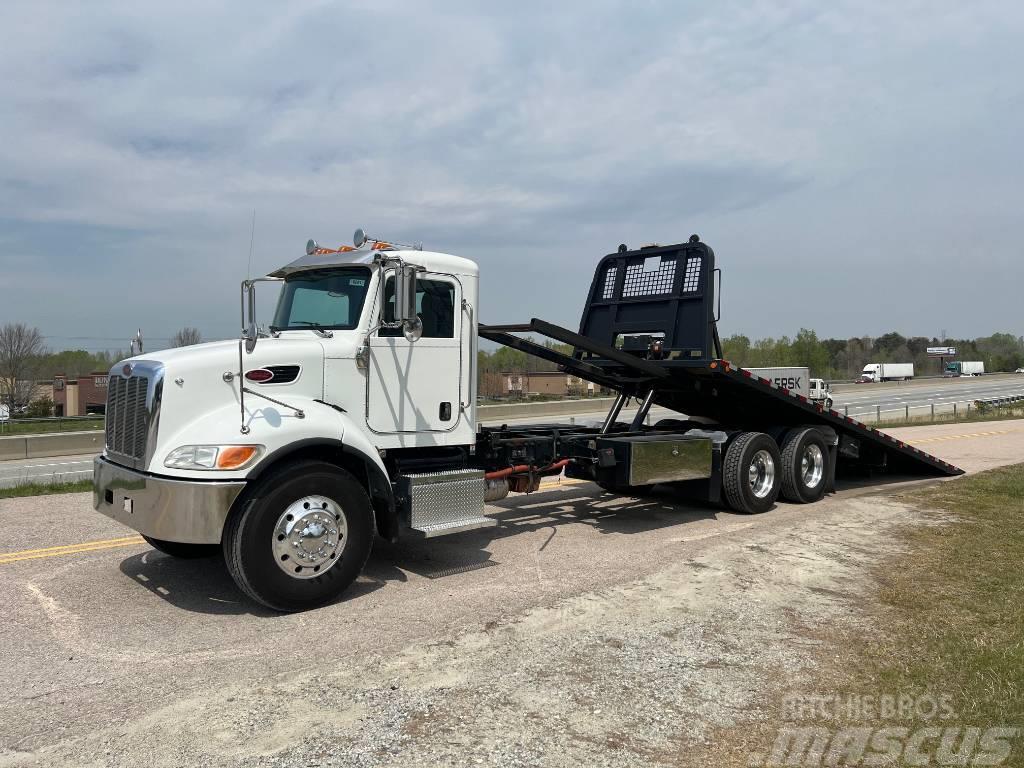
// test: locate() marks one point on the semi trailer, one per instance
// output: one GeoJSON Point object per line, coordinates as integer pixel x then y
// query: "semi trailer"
{"type": "Point", "coordinates": [797, 379]}
{"type": "Point", "coordinates": [888, 371]}
{"type": "Point", "coordinates": [353, 415]}
{"type": "Point", "coordinates": [959, 368]}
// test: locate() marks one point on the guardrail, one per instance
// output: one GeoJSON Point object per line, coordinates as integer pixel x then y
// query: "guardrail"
{"type": "Point", "coordinates": [998, 402]}
{"type": "Point", "coordinates": [929, 412]}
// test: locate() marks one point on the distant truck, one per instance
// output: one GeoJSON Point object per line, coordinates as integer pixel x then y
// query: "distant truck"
{"type": "Point", "coordinates": [888, 371]}
{"type": "Point", "coordinates": [798, 380]}
{"type": "Point", "coordinates": [957, 368]}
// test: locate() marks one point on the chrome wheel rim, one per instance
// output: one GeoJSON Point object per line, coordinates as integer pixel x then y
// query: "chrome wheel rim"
{"type": "Point", "coordinates": [812, 466]}
{"type": "Point", "coordinates": [761, 474]}
{"type": "Point", "coordinates": [309, 537]}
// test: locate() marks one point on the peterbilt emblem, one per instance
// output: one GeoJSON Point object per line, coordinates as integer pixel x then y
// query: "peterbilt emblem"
{"type": "Point", "coordinates": [127, 370]}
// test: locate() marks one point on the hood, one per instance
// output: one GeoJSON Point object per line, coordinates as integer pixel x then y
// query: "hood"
{"type": "Point", "coordinates": [202, 380]}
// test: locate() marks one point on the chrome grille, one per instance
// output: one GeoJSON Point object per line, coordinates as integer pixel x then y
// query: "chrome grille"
{"type": "Point", "coordinates": [127, 416]}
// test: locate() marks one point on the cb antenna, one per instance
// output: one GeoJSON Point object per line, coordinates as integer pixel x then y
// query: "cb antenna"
{"type": "Point", "coordinates": [252, 240]}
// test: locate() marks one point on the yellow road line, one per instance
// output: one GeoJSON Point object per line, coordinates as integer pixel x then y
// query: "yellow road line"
{"type": "Point", "coordinates": [72, 546]}
{"type": "Point", "coordinates": [69, 549]}
{"type": "Point", "coordinates": [944, 438]}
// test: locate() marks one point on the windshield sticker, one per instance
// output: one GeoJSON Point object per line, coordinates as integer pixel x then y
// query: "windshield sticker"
{"type": "Point", "coordinates": [357, 282]}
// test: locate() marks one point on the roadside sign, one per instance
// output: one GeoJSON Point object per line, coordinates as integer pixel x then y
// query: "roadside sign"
{"type": "Point", "coordinates": [941, 351]}
{"type": "Point", "coordinates": [5, 413]}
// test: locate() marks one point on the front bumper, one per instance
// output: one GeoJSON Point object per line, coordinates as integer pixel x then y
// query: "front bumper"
{"type": "Point", "coordinates": [187, 511]}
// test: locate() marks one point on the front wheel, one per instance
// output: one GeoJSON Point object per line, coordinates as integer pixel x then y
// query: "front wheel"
{"type": "Point", "coordinates": [301, 537]}
{"type": "Point", "coordinates": [828, 404]}
{"type": "Point", "coordinates": [751, 473]}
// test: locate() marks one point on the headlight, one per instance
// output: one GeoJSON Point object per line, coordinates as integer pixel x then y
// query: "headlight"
{"type": "Point", "coordinates": [212, 456]}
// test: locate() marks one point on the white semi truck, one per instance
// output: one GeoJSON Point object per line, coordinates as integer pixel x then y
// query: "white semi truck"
{"type": "Point", "coordinates": [888, 371]}
{"type": "Point", "coordinates": [354, 415]}
{"type": "Point", "coordinates": [958, 368]}
{"type": "Point", "coordinates": [798, 379]}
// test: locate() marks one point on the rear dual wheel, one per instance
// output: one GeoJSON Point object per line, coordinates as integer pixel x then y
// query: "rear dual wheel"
{"type": "Point", "coordinates": [805, 466]}
{"type": "Point", "coordinates": [752, 473]}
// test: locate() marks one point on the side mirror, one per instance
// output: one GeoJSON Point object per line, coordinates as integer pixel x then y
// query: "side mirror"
{"type": "Point", "coordinates": [405, 302]}
{"type": "Point", "coordinates": [251, 333]}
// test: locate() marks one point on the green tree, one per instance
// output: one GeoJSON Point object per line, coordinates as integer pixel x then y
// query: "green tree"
{"type": "Point", "coordinates": [808, 350]}
{"type": "Point", "coordinates": [736, 349]}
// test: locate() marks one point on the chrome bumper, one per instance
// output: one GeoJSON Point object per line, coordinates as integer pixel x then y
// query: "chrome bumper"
{"type": "Point", "coordinates": [173, 510]}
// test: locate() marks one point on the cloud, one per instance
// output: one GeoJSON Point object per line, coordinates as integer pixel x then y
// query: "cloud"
{"type": "Point", "coordinates": [138, 140]}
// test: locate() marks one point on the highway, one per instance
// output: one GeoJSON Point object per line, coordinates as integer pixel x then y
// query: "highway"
{"type": "Point", "coordinates": [56, 469]}
{"type": "Point", "coordinates": [862, 401]}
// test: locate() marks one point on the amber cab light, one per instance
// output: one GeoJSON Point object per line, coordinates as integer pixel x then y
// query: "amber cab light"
{"type": "Point", "coordinates": [235, 456]}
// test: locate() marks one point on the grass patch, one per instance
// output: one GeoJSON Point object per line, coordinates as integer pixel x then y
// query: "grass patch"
{"type": "Point", "coordinates": [18, 427]}
{"type": "Point", "coordinates": [956, 602]}
{"type": "Point", "coordinates": [944, 630]}
{"type": "Point", "coordinates": [45, 489]}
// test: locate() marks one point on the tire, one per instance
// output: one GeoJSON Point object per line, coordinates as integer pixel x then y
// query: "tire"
{"type": "Point", "coordinates": [745, 493]}
{"type": "Point", "coordinates": [294, 511]}
{"type": "Point", "coordinates": [182, 550]}
{"type": "Point", "coordinates": [805, 466]}
{"type": "Point", "coordinates": [828, 404]}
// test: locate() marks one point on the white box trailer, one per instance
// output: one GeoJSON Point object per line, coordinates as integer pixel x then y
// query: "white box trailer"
{"type": "Point", "coordinates": [958, 368]}
{"type": "Point", "coordinates": [795, 378]}
{"type": "Point", "coordinates": [889, 371]}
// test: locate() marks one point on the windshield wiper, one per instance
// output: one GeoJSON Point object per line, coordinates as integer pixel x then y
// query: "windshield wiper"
{"type": "Point", "coordinates": [317, 328]}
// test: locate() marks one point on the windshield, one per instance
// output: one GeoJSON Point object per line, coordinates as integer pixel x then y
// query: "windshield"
{"type": "Point", "coordinates": [326, 299]}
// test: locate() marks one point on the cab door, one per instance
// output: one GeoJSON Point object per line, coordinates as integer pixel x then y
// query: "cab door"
{"type": "Point", "coordinates": [415, 386]}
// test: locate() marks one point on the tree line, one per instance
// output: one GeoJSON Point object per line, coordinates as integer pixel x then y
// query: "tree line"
{"type": "Point", "coordinates": [846, 358]}
{"type": "Point", "coordinates": [25, 360]}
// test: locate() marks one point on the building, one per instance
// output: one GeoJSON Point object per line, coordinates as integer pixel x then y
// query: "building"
{"type": "Point", "coordinates": [547, 383]}
{"type": "Point", "coordinates": [80, 397]}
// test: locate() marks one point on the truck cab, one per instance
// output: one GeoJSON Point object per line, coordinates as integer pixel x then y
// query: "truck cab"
{"type": "Point", "coordinates": [367, 364]}
{"type": "Point", "coordinates": [820, 392]}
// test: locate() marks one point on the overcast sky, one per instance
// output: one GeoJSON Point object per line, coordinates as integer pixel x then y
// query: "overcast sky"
{"type": "Point", "coordinates": [857, 167]}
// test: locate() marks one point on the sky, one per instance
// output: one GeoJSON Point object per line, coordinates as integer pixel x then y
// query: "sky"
{"type": "Point", "coordinates": [857, 167]}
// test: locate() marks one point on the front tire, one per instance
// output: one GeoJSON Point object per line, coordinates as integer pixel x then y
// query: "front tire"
{"type": "Point", "coordinates": [751, 473]}
{"type": "Point", "coordinates": [182, 550]}
{"type": "Point", "coordinates": [301, 537]}
{"type": "Point", "coordinates": [805, 466]}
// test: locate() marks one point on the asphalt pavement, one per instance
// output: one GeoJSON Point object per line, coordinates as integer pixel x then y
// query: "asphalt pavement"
{"type": "Point", "coordinates": [117, 655]}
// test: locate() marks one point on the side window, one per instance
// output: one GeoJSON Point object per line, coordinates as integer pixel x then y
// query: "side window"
{"type": "Point", "coordinates": [435, 304]}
